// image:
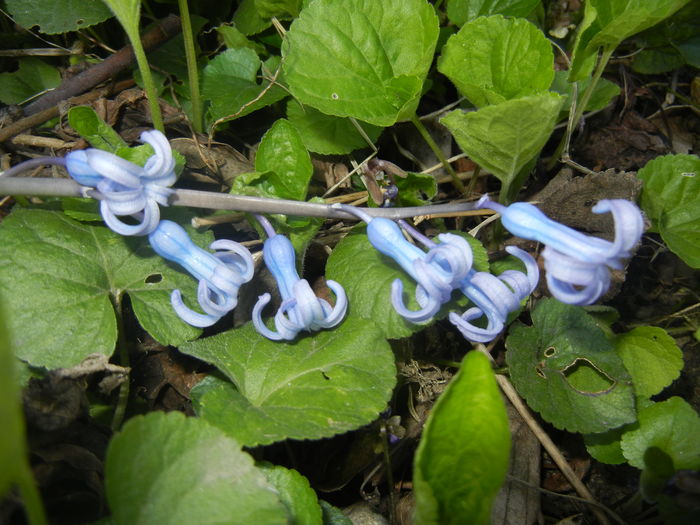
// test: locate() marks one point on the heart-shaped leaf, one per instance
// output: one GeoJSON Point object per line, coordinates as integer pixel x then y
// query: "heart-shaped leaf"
{"type": "Point", "coordinates": [568, 370]}
{"type": "Point", "coordinates": [295, 492]}
{"type": "Point", "coordinates": [503, 138]}
{"type": "Point", "coordinates": [167, 468]}
{"type": "Point", "coordinates": [60, 279]}
{"type": "Point", "coordinates": [493, 59]}
{"type": "Point", "coordinates": [321, 385]}
{"type": "Point", "coordinates": [32, 77]}
{"type": "Point", "coordinates": [57, 16]}
{"type": "Point", "coordinates": [361, 58]}
{"type": "Point", "coordinates": [461, 11]}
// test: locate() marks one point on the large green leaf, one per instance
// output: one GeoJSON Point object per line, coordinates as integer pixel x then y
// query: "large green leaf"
{"type": "Point", "coordinates": [230, 82]}
{"type": "Point", "coordinates": [60, 277]}
{"type": "Point", "coordinates": [461, 11]}
{"type": "Point", "coordinates": [493, 59]}
{"type": "Point", "coordinates": [607, 23]}
{"type": "Point", "coordinates": [32, 77]}
{"type": "Point", "coordinates": [671, 426]}
{"type": "Point", "coordinates": [327, 134]}
{"type": "Point", "coordinates": [296, 494]}
{"type": "Point", "coordinates": [568, 370]}
{"type": "Point", "coordinates": [167, 468]}
{"type": "Point", "coordinates": [321, 385]}
{"type": "Point", "coordinates": [503, 138]}
{"type": "Point", "coordinates": [462, 458]}
{"type": "Point", "coordinates": [367, 276]}
{"type": "Point", "coordinates": [652, 358]}
{"type": "Point", "coordinates": [58, 16]}
{"type": "Point", "coordinates": [361, 58]}
{"type": "Point", "coordinates": [680, 229]}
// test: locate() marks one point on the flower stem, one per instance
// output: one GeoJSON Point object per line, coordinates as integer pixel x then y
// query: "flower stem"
{"type": "Point", "coordinates": [147, 76]}
{"type": "Point", "coordinates": [120, 409]}
{"type": "Point", "coordinates": [438, 153]}
{"type": "Point", "coordinates": [192, 71]}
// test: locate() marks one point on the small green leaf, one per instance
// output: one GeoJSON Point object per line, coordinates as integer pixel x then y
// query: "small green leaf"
{"type": "Point", "coordinates": [321, 385]}
{"type": "Point", "coordinates": [505, 137]}
{"type": "Point", "coordinates": [367, 276]}
{"type": "Point", "coordinates": [361, 58]}
{"type": "Point", "coordinates": [652, 358]}
{"type": "Point", "coordinates": [32, 77]}
{"type": "Point", "coordinates": [607, 23]}
{"type": "Point", "coordinates": [670, 181]}
{"type": "Point", "coordinates": [493, 59]}
{"type": "Point", "coordinates": [606, 446]}
{"type": "Point", "coordinates": [296, 494]}
{"type": "Point", "coordinates": [58, 272]}
{"type": "Point", "coordinates": [233, 38]}
{"type": "Point", "coordinates": [248, 20]}
{"type": "Point", "coordinates": [412, 186]}
{"type": "Point", "coordinates": [680, 230]}
{"type": "Point", "coordinates": [57, 16]}
{"type": "Point", "coordinates": [326, 134]}
{"type": "Point", "coordinates": [461, 11]}
{"type": "Point", "coordinates": [673, 427]}
{"type": "Point", "coordinates": [568, 370]}
{"type": "Point", "coordinates": [283, 9]}
{"type": "Point", "coordinates": [89, 125]}
{"type": "Point", "coordinates": [230, 82]}
{"type": "Point", "coordinates": [283, 156]}
{"type": "Point", "coordinates": [333, 515]}
{"type": "Point", "coordinates": [462, 458]}
{"type": "Point", "coordinates": [168, 468]}
{"type": "Point", "coordinates": [603, 92]}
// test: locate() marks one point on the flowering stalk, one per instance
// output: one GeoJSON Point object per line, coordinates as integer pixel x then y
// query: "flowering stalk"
{"type": "Point", "coordinates": [300, 308]}
{"type": "Point", "coordinates": [577, 265]}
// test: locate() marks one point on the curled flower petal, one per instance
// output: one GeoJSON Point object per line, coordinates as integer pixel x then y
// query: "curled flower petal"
{"type": "Point", "coordinates": [300, 308]}
{"type": "Point", "coordinates": [220, 274]}
{"type": "Point", "coordinates": [128, 189]}
{"type": "Point", "coordinates": [577, 265]}
{"type": "Point", "coordinates": [472, 332]}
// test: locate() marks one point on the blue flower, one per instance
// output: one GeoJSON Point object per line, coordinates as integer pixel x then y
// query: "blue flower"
{"type": "Point", "coordinates": [437, 272]}
{"type": "Point", "coordinates": [577, 265]}
{"type": "Point", "coordinates": [300, 308]}
{"type": "Point", "coordinates": [495, 297]}
{"type": "Point", "coordinates": [127, 189]}
{"type": "Point", "coordinates": [220, 274]}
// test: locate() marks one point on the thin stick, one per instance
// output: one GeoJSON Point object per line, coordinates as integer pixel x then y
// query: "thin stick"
{"type": "Point", "coordinates": [225, 201]}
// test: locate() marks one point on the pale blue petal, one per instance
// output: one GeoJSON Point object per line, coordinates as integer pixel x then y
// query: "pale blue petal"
{"type": "Point", "coordinates": [190, 316]}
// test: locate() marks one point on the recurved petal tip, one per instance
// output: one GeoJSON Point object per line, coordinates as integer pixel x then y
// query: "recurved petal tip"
{"type": "Point", "coordinates": [474, 333]}
{"type": "Point", "coordinates": [190, 316]}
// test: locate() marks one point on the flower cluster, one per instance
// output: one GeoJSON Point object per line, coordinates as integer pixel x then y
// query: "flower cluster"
{"type": "Point", "coordinates": [577, 266]}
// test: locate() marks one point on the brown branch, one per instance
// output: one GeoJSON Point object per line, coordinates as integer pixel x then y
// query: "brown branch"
{"type": "Point", "coordinates": [164, 31]}
{"type": "Point", "coordinates": [53, 111]}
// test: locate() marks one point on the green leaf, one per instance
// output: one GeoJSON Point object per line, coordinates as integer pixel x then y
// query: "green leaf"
{"type": "Point", "coordinates": [361, 58]}
{"type": "Point", "coordinates": [670, 181]}
{"type": "Point", "coordinates": [283, 156]}
{"type": "Point", "coordinates": [230, 83]}
{"type": "Point", "coordinates": [12, 447]}
{"type": "Point", "coordinates": [167, 468]}
{"type": "Point", "coordinates": [505, 137]}
{"type": "Point", "coordinates": [657, 61]}
{"type": "Point", "coordinates": [680, 230]}
{"type": "Point", "coordinates": [367, 276]}
{"type": "Point", "coordinates": [89, 125]}
{"type": "Point", "coordinates": [671, 199]}
{"type": "Point", "coordinates": [283, 9]}
{"type": "Point", "coordinates": [296, 494]}
{"type": "Point", "coordinates": [56, 272]}
{"type": "Point", "coordinates": [493, 59]}
{"type": "Point", "coordinates": [461, 11]}
{"type": "Point", "coordinates": [58, 16]}
{"type": "Point", "coordinates": [128, 12]}
{"type": "Point", "coordinates": [652, 358]}
{"type": "Point", "coordinates": [412, 186]}
{"type": "Point", "coordinates": [568, 371]}
{"type": "Point", "coordinates": [462, 458]}
{"type": "Point", "coordinates": [333, 515]}
{"type": "Point", "coordinates": [326, 134]}
{"type": "Point", "coordinates": [32, 77]}
{"type": "Point", "coordinates": [671, 426]}
{"type": "Point", "coordinates": [608, 22]}
{"type": "Point", "coordinates": [321, 385]}
{"type": "Point", "coordinates": [248, 20]}
{"type": "Point", "coordinates": [606, 446]}
{"type": "Point", "coordinates": [233, 38]}
{"type": "Point", "coordinates": [603, 92]}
